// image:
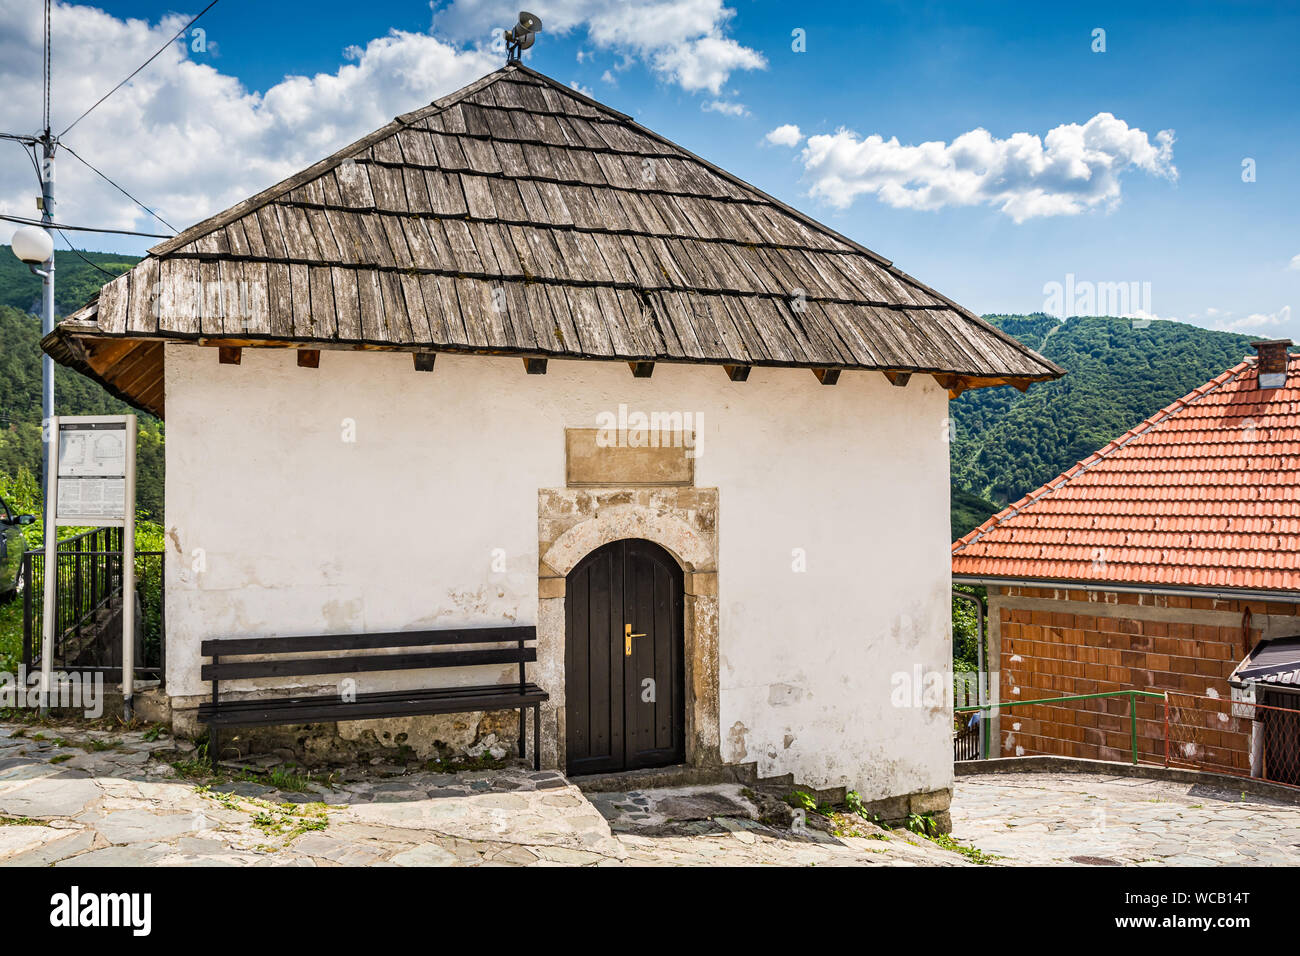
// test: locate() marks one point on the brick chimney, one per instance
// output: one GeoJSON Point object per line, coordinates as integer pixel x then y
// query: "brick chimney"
{"type": "Point", "coordinates": [1272, 362]}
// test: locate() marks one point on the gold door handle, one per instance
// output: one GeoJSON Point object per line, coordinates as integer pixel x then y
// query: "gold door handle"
{"type": "Point", "coordinates": [627, 640]}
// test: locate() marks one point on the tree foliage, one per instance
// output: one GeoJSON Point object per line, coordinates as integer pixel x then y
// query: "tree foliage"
{"type": "Point", "coordinates": [1005, 443]}
{"type": "Point", "coordinates": [74, 394]}
{"type": "Point", "coordinates": [74, 280]}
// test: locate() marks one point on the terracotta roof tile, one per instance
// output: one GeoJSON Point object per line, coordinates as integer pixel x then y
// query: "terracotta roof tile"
{"type": "Point", "coordinates": [1205, 493]}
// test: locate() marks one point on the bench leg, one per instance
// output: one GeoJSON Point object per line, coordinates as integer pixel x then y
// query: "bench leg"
{"type": "Point", "coordinates": [522, 732]}
{"type": "Point", "coordinates": [537, 737]}
{"type": "Point", "coordinates": [214, 746]}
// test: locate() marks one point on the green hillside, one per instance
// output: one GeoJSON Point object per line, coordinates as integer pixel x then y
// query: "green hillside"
{"type": "Point", "coordinates": [1006, 443]}
{"type": "Point", "coordinates": [74, 280]}
{"type": "Point", "coordinates": [968, 511]}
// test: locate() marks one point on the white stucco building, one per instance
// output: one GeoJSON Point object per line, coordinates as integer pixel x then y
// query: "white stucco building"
{"type": "Point", "coordinates": [787, 539]}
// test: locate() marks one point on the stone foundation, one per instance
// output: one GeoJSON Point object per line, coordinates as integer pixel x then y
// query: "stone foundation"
{"type": "Point", "coordinates": [445, 737]}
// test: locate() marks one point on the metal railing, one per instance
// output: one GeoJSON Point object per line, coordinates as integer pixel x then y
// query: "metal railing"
{"type": "Point", "coordinates": [965, 736]}
{"type": "Point", "coordinates": [1238, 737]}
{"type": "Point", "coordinates": [1132, 695]}
{"type": "Point", "coordinates": [87, 606]}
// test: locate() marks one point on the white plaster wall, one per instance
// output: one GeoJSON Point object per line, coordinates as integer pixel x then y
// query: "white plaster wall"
{"type": "Point", "coordinates": [302, 532]}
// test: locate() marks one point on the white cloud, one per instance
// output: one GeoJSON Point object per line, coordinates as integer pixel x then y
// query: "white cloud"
{"type": "Point", "coordinates": [1072, 169]}
{"type": "Point", "coordinates": [787, 135]}
{"type": "Point", "coordinates": [705, 63]}
{"type": "Point", "coordinates": [183, 136]}
{"type": "Point", "coordinates": [1255, 322]}
{"type": "Point", "coordinates": [1294, 264]}
{"type": "Point", "coordinates": [681, 40]}
{"type": "Point", "coordinates": [584, 90]}
{"type": "Point", "coordinates": [727, 109]}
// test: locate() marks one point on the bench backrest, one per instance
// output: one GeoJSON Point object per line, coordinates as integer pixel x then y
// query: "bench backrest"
{"type": "Point", "coordinates": [282, 655]}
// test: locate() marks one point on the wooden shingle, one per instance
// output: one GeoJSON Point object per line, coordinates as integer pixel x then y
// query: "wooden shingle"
{"type": "Point", "coordinates": [519, 216]}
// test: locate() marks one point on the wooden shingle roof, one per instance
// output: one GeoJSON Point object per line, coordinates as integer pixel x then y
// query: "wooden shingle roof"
{"type": "Point", "coordinates": [519, 217]}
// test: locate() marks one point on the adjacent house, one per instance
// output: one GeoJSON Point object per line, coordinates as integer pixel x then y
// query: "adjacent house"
{"type": "Point", "coordinates": [515, 359]}
{"type": "Point", "coordinates": [1158, 563]}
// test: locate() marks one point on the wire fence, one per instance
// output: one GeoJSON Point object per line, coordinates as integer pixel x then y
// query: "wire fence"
{"type": "Point", "coordinates": [1237, 737]}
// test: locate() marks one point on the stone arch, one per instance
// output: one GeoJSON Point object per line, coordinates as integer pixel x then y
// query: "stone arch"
{"type": "Point", "coordinates": [687, 546]}
{"type": "Point", "coordinates": [573, 522]}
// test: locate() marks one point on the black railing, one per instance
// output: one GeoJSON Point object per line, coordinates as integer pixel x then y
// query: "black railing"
{"type": "Point", "coordinates": [966, 743]}
{"type": "Point", "coordinates": [88, 608]}
{"type": "Point", "coordinates": [966, 736]}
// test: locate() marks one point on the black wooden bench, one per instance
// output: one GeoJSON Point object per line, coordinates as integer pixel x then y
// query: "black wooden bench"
{"type": "Point", "coordinates": [283, 657]}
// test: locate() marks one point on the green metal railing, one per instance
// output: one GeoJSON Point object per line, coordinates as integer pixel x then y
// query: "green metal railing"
{"type": "Point", "coordinates": [1132, 711]}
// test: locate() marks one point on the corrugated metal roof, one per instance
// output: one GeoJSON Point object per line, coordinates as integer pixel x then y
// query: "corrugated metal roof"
{"type": "Point", "coordinates": [1204, 494]}
{"type": "Point", "coordinates": [517, 216]}
{"type": "Point", "coordinates": [1274, 661]}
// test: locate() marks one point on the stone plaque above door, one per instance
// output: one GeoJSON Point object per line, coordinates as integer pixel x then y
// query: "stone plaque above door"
{"type": "Point", "coordinates": [595, 458]}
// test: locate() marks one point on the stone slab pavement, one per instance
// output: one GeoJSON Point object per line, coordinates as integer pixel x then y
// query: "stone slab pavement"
{"type": "Point", "coordinates": [1085, 819]}
{"type": "Point", "coordinates": [71, 797]}
{"type": "Point", "coordinates": [76, 797]}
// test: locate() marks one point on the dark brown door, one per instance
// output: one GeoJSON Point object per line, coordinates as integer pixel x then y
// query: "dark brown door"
{"type": "Point", "coordinates": [624, 710]}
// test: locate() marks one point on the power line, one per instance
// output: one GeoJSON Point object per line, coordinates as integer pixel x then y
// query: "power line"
{"type": "Point", "coordinates": [119, 188]}
{"type": "Point", "coordinates": [24, 221]}
{"type": "Point", "coordinates": [139, 68]}
{"type": "Point", "coordinates": [111, 275]}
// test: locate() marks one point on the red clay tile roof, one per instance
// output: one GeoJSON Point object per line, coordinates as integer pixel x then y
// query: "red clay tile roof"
{"type": "Point", "coordinates": [1204, 494]}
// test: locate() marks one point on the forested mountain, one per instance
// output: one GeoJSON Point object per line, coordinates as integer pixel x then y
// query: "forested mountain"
{"type": "Point", "coordinates": [75, 281]}
{"type": "Point", "coordinates": [74, 394]}
{"type": "Point", "coordinates": [1005, 443]}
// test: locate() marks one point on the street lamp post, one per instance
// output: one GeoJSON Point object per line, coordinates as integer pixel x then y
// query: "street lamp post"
{"type": "Point", "coordinates": [47, 281]}
{"type": "Point", "coordinates": [34, 245]}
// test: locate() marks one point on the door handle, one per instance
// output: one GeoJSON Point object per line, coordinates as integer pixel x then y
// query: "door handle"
{"type": "Point", "coordinates": [627, 640]}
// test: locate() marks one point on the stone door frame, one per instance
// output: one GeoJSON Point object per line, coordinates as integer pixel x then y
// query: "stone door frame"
{"type": "Point", "coordinates": [573, 522]}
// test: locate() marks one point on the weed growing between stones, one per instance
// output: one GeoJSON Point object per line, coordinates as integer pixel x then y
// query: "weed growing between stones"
{"type": "Point", "coordinates": [801, 800]}
{"type": "Point", "coordinates": [923, 825]}
{"type": "Point", "coordinates": [285, 821]}
{"type": "Point", "coordinates": [853, 820]}
{"type": "Point", "coordinates": [464, 764]}
{"type": "Point", "coordinates": [70, 719]}
{"type": "Point", "coordinates": [285, 779]}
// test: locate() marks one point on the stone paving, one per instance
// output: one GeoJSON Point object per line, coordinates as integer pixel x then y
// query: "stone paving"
{"type": "Point", "coordinates": [1076, 819]}
{"type": "Point", "coordinates": [70, 797]}
{"type": "Point", "coordinates": [77, 797]}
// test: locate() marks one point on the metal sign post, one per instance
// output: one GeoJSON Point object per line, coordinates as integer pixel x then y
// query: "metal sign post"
{"type": "Point", "coordinates": [92, 482]}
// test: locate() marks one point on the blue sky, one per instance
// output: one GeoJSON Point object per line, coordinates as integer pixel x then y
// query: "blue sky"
{"type": "Point", "coordinates": [1221, 77]}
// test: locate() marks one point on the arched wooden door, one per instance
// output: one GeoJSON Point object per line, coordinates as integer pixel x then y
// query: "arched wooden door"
{"type": "Point", "coordinates": [624, 684]}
